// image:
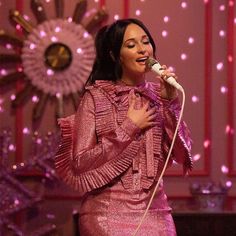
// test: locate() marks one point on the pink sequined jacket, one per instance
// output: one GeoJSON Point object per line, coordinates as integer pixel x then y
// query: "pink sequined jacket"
{"type": "Point", "coordinates": [100, 143]}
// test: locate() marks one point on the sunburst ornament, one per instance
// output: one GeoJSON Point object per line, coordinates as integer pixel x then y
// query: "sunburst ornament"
{"type": "Point", "coordinates": [55, 57]}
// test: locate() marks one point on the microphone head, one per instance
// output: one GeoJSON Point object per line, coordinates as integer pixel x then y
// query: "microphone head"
{"type": "Point", "coordinates": [150, 62]}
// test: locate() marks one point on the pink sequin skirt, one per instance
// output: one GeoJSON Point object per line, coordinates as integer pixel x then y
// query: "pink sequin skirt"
{"type": "Point", "coordinates": [116, 211]}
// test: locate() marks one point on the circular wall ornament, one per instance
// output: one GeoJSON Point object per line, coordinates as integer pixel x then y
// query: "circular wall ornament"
{"type": "Point", "coordinates": [55, 57]}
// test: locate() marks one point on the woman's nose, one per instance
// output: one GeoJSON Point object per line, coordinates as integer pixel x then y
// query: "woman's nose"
{"type": "Point", "coordinates": [141, 48]}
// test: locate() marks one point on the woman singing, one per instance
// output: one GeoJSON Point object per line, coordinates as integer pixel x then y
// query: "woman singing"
{"type": "Point", "coordinates": [114, 148]}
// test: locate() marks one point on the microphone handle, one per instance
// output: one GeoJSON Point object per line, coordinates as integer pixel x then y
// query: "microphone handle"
{"type": "Point", "coordinates": [157, 68]}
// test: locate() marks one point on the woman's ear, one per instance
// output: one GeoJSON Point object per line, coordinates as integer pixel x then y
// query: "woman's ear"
{"type": "Point", "coordinates": [112, 55]}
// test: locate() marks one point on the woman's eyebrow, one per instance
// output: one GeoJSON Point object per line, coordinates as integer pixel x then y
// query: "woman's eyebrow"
{"type": "Point", "coordinates": [133, 39]}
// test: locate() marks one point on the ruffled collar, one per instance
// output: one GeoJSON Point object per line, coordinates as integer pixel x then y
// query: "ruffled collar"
{"type": "Point", "coordinates": [116, 91]}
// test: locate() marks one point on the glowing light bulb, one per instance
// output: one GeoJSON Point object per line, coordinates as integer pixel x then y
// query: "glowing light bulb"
{"type": "Point", "coordinates": [3, 72]}
{"type": "Point", "coordinates": [227, 129]}
{"type": "Point", "coordinates": [195, 99]}
{"type": "Point", "coordinates": [86, 34]}
{"type": "Point", "coordinates": [69, 19]}
{"type": "Point", "coordinates": [183, 56]}
{"type": "Point", "coordinates": [11, 147]}
{"type": "Point", "coordinates": [138, 12]}
{"type": "Point", "coordinates": [50, 72]}
{"type": "Point", "coordinates": [206, 143]}
{"type": "Point", "coordinates": [57, 29]}
{"type": "Point", "coordinates": [231, 3]}
{"type": "Point", "coordinates": [42, 34]}
{"type": "Point", "coordinates": [13, 97]}
{"type": "Point", "coordinates": [79, 50]}
{"type": "Point", "coordinates": [58, 95]}
{"type": "Point", "coordinates": [164, 33]}
{"type": "Point", "coordinates": [222, 7]}
{"type": "Point", "coordinates": [54, 39]}
{"type": "Point", "coordinates": [39, 141]}
{"type": "Point", "coordinates": [26, 130]}
{"type": "Point", "coordinates": [222, 33]}
{"type": "Point", "coordinates": [18, 27]}
{"type": "Point", "coordinates": [26, 17]}
{"type": "Point", "coordinates": [220, 66]}
{"type": "Point", "coordinates": [223, 89]}
{"type": "Point", "coordinates": [183, 5]}
{"type": "Point", "coordinates": [35, 99]}
{"type": "Point", "coordinates": [230, 58]}
{"type": "Point", "coordinates": [196, 157]}
{"type": "Point", "coordinates": [190, 40]}
{"type": "Point", "coordinates": [116, 17]}
{"type": "Point", "coordinates": [224, 169]}
{"type": "Point", "coordinates": [8, 46]}
{"type": "Point", "coordinates": [229, 184]}
{"type": "Point", "coordinates": [32, 46]}
{"type": "Point", "coordinates": [16, 202]}
{"type": "Point", "coordinates": [166, 19]}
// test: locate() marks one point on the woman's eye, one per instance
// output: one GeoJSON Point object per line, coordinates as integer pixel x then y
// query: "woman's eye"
{"type": "Point", "coordinates": [130, 45]}
{"type": "Point", "coordinates": [146, 42]}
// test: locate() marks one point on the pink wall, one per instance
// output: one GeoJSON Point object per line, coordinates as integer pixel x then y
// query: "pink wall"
{"type": "Point", "coordinates": [174, 25]}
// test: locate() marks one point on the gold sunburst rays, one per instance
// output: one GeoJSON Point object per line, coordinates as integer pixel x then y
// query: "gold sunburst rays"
{"type": "Point", "coordinates": [38, 10]}
{"type": "Point", "coordinates": [80, 9]}
{"type": "Point", "coordinates": [62, 66]}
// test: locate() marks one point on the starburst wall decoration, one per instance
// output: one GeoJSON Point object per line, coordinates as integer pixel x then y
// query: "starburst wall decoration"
{"type": "Point", "coordinates": [54, 57]}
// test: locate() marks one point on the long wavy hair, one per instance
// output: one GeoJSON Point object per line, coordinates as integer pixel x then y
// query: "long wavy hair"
{"type": "Point", "coordinates": [108, 42]}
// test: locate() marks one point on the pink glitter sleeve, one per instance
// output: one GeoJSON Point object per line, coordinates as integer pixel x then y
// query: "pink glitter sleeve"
{"type": "Point", "coordinates": [86, 164]}
{"type": "Point", "coordinates": [88, 154]}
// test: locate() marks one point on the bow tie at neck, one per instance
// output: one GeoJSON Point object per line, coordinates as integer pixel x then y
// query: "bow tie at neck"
{"type": "Point", "coordinates": [142, 89]}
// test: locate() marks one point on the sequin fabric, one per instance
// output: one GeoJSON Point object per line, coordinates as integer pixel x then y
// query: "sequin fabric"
{"type": "Point", "coordinates": [115, 165]}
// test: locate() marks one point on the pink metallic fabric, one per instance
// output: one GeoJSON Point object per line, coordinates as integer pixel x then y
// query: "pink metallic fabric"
{"type": "Point", "coordinates": [115, 165]}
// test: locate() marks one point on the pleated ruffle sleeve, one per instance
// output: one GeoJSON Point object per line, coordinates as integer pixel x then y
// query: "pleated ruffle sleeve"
{"type": "Point", "coordinates": [86, 163]}
{"type": "Point", "coordinates": [182, 147]}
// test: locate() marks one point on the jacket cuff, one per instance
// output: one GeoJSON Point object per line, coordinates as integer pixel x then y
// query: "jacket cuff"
{"type": "Point", "coordinates": [130, 128]}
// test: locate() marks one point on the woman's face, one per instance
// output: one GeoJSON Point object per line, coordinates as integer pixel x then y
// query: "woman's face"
{"type": "Point", "coordinates": [135, 50]}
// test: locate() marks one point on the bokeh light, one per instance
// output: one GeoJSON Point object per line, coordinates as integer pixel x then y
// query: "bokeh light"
{"type": "Point", "coordinates": [166, 19]}
{"type": "Point", "coordinates": [222, 7]}
{"type": "Point", "coordinates": [137, 12]}
{"type": "Point", "coordinates": [196, 157]}
{"type": "Point", "coordinates": [222, 33]}
{"type": "Point", "coordinates": [220, 66]}
{"type": "Point", "coordinates": [223, 89]}
{"type": "Point", "coordinates": [206, 143]}
{"type": "Point", "coordinates": [183, 56]}
{"type": "Point", "coordinates": [190, 40]}
{"type": "Point", "coordinates": [164, 33]}
{"type": "Point", "coordinates": [184, 5]}
{"type": "Point", "coordinates": [224, 169]}
{"type": "Point", "coordinates": [116, 17]}
{"type": "Point", "coordinates": [195, 99]}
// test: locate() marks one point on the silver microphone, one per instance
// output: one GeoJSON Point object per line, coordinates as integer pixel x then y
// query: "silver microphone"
{"type": "Point", "coordinates": [155, 66]}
